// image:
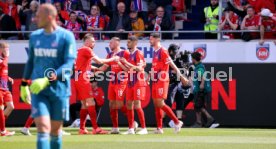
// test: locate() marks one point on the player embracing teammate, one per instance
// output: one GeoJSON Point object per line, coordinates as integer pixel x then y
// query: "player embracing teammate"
{"type": "Point", "coordinates": [128, 78]}
{"type": "Point", "coordinates": [118, 81]}
{"type": "Point", "coordinates": [136, 87]}
{"type": "Point", "coordinates": [84, 92]}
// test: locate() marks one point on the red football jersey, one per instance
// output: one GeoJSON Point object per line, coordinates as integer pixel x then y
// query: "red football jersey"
{"type": "Point", "coordinates": [160, 65]}
{"type": "Point", "coordinates": [254, 21]}
{"type": "Point", "coordinates": [4, 73]}
{"type": "Point", "coordinates": [117, 71]}
{"type": "Point", "coordinates": [269, 24]}
{"type": "Point", "coordinates": [136, 78]}
{"type": "Point", "coordinates": [235, 20]}
{"type": "Point", "coordinates": [98, 95]}
{"type": "Point", "coordinates": [270, 27]}
{"type": "Point", "coordinates": [83, 62]}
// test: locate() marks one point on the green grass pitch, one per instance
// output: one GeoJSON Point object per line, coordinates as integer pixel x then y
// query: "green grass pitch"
{"type": "Point", "coordinates": [187, 139]}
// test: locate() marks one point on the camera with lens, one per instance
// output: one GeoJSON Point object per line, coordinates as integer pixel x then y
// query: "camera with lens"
{"type": "Point", "coordinates": [181, 60]}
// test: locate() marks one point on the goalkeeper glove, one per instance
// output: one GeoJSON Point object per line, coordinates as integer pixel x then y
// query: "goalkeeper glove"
{"type": "Point", "coordinates": [25, 93]}
{"type": "Point", "coordinates": [39, 84]}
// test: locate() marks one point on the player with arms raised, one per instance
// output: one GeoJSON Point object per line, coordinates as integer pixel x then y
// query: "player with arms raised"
{"type": "Point", "coordinates": [50, 48]}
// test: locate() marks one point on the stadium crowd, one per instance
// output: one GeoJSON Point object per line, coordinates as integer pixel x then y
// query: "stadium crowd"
{"type": "Point", "coordinates": [142, 15]}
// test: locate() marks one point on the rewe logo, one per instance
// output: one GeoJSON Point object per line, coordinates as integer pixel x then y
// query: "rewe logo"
{"type": "Point", "coordinates": [262, 52]}
{"type": "Point", "coordinates": [40, 52]}
{"type": "Point", "coordinates": [201, 48]}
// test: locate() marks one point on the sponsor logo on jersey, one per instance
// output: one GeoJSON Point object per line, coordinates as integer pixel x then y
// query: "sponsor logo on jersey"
{"type": "Point", "coordinates": [41, 52]}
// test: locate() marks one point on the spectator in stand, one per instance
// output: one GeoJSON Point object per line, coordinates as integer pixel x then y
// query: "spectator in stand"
{"type": "Point", "coordinates": [229, 22]}
{"type": "Point", "coordinates": [81, 16]}
{"type": "Point", "coordinates": [62, 14]}
{"type": "Point", "coordinates": [250, 22]}
{"type": "Point", "coordinates": [167, 5]}
{"type": "Point", "coordinates": [12, 10]}
{"type": "Point", "coordinates": [73, 25]}
{"type": "Point", "coordinates": [120, 22]}
{"type": "Point", "coordinates": [111, 5]}
{"type": "Point", "coordinates": [22, 7]}
{"type": "Point", "coordinates": [7, 23]}
{"type": "Point", "coordinates": [137, 23]}
{"type": "Point", "coordinates": [70, 5]}
{"type": "Point", "coordinates": [210, 18]}
{"type": "Point", "coordinates": [161, 22]}
{"type": "Point", "coordinates": [267, 26]}
{"type": "Point", "coordinates": [95, 22]}
{"type": "Point", "coordinates": [85, 5]}
{"type": "Point", "coordinates": [29, 16]}
{"type": "Point", "coordinates": [142, 7]}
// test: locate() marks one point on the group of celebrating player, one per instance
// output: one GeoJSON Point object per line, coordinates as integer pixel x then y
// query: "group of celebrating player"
{"type": "Point", "coordinates": [49, 95]}
{"type": "Point", "coordinates": [123, 86]}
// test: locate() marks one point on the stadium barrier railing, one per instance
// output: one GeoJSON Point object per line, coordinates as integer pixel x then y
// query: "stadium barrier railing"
{"type": "Point", "coordinates": [219, 32]}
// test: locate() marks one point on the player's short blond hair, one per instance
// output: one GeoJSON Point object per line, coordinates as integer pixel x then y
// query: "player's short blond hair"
{"type": "Point", "coordinates": [3, 45]}
{"type": "Point", "coordinates": [87, 36]}
{"type": "Point", "coordinates": [133, 38]}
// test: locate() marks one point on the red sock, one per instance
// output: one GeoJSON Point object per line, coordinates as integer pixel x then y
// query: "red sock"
{"type": "Point", "coordinates": [2, 120]}
{"type": "Point", "coordinates": [158, 116]}
{"type": "Point", "coordinates": [124, 110]}
{"type": "Point", "coordinates": [93, 116]}
{"type": "Point", "coordinates": [83, 114]}
{"type": "Point", "coordinates": [114, 117]}
{"type": "Point", "coordinates": [141, 117]}
{"type": "Point", "coordinates": [130, 118]}
{"type": "Point", "coordinates": [170, 113]}
{"type": "Point", "coordinates": [29, 122]}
